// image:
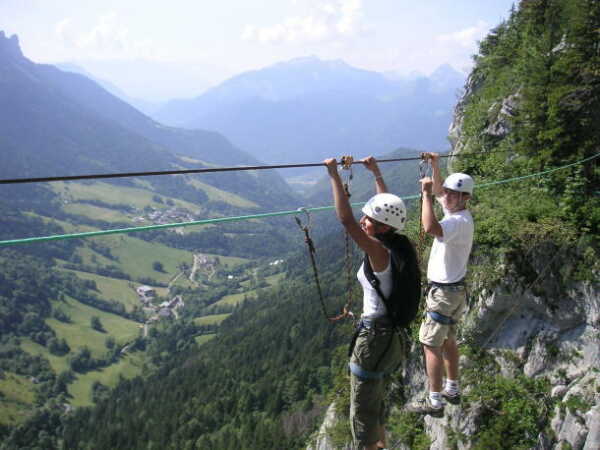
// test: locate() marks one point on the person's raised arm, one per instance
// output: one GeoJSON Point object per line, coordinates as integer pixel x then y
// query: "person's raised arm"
{"type": "Point", "coordinates": [377, 253]}
{"type": "Point", "coordinates": [343, 210]}
{"type": "Point", "coordinates": [371, 164]}
{"type": "Point", "coordinates": [434, 159]}
{"type": "Point", "coordinates": [429, 221]}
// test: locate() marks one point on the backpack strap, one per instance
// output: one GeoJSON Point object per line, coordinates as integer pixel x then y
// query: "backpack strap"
{"type": "Point", "coordinates": [397, 266]}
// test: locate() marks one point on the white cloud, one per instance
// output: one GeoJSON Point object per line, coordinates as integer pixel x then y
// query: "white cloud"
{"type": "Point", "coordinates": [328, 20]}
{"type": "Point", "coordinates": [109, 38]}
{"type": "Point", "coordinates": [466, 38]}
{"type": "Point", "coordinates": [61, 28]}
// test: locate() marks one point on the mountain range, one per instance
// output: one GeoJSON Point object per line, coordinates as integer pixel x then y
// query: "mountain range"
{"type": "Point", "coordinates": [61, 123]}
{"type": "Point", "coordinates": [307, 109]}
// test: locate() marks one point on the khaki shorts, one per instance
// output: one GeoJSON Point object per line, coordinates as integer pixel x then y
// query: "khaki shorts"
{"type": "Point", "coordinates": [367, 410]}
{"type": "Point", "coordinates": [449, 301]}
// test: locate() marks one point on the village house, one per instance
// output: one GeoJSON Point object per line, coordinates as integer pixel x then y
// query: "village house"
{"type": "Point", "coordinates": [146, 293]}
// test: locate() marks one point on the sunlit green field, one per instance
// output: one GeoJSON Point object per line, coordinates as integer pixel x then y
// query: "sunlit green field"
{"type": "Point", "coordinates": [114, 195]}
{"type": "Point", "coordinates": [211, 320]}
{"type": "Point", "coordinates": [136, 257]}
{"type": "Point", "coordinates": [234, 299]}
{"type": "Point", "coordinates": [204, 338]}
{"type": "Point", "coordinates": [58, 363]}
{"type": "Point", "coordinates": [96, 212]}
{"type": "Point", "coordinates": [112, 289]}
{"type": "Point", "coordinates": [129, 366]}
{"type": "Point", "coordinates": [218, 195]}
{"type": "Point", "coordinates": [16, 396]}
{"type": "Point", "coordinates": [79, 332]}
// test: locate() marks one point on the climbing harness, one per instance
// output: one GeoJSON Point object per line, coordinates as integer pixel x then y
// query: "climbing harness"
{"type": "Point", "coordinates": [441, 318]}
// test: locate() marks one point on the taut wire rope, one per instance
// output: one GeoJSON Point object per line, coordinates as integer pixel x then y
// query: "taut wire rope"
{"type": "Point", "coordinates": [253, 216]}
{"type": "Point", "coordinates": [202, 170]}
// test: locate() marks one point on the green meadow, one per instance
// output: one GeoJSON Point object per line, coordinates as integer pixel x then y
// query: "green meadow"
{"type": "Point", "coordinates": [215, 194]}
{"type": "Point", "coordinates": [114, 195]}
{"type": "Point", "coordinates": [58, 363]}
{"type": "Point", "coordinates": [234, 299]}
{"type": "Point", "coordinates": [112, 288]}
{"type": "Point", "coordinates": [79, 332]}
{"type": "Point", "coordinates": [211, 320]}
{"type": "Point", "coordinates": [96, 212]}
{"type": "Point", "coordinates": [128, 366]}
{"type": "Point", "coordinates": [136, 257]}
{"type": "Point", "coordinates": [16, 396]}
{"type": "Point", "coordinates": [204, 338]}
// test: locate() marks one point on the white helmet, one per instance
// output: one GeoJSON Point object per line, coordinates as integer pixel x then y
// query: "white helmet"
{"type": "Point", "coordinates": [388, 209]}
{"type": "Point", "coordinates": [459, 182]}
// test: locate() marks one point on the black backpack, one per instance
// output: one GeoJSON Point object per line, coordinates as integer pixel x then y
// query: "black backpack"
{"type": "Point", "coordinates": [403, 303]}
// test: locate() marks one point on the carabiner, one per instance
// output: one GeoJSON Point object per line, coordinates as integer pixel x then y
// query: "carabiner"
{"type": "Point", "coordinates": [308, 219]}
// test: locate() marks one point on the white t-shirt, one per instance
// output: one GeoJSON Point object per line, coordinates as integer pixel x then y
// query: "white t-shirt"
{"type": "Point", "coordinates": [450, 253]}
{"type": "Point", "coordinates": [373, 306]}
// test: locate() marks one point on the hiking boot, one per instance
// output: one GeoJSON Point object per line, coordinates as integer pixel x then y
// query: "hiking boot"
{"type": "Point", "coordinates": [424, 406]}
{"type": "Point", "coordinates": [453, 398]}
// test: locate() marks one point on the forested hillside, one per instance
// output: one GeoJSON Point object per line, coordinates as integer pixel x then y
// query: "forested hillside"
{"type": "Point", "coordinates": [263, 382]}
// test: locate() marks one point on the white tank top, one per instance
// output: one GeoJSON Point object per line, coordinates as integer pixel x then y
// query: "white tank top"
{"type": "Point", "coordinates": [373, 306]}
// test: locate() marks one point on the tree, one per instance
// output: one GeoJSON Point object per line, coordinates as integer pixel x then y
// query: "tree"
{"type": "Point", "coordinates": [157, 266]}
{"type": "Point", "coordinates": [96, 324]}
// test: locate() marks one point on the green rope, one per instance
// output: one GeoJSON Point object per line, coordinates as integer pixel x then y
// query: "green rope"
{"type": "Point", "coordinates": [86, 234]}
{"type": "Point", "coordinates": [248, 217]}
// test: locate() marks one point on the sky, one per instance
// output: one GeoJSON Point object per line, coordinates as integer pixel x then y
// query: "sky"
{"type": "Point", "coordinates": [155, 50]}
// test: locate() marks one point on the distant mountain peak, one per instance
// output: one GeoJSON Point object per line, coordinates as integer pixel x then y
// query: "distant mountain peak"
{"type": "Point", "coordinates": [9, 46]}
{"type": "Point", "coordinates": [314, 60]}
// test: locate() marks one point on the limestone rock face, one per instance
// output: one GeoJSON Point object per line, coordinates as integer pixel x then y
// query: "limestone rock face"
{"type": "Point", "coordinates": [322, 441]}
{"type": "Point", "coordinates": [592, 420]}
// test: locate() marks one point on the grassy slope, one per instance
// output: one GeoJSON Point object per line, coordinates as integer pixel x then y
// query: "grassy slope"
{"type": "Point", "coordinates": [204, 338]}
{"type": "Point", "coordinates": [128, 366]}
{"type": "Point", "coordinates": [114, 195]}
{"type": "Point", "coordinates": [79, 333]}
{"type": "Point", "coordinates": [112, 288]}
{"type": "Point", "coordinates": [211, 320]}
{"type": "Point", "coordinates": [216, 194]}
{"type": "Point", "coordinates": [16, 396]}
{"type": "Point", "coordinates": [234, 299]}
{"type": "Point", "coordinates": [96, 212]}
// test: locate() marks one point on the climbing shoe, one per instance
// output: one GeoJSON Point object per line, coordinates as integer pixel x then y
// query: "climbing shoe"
{"type": "Point", "coordinates": [453, 397]}
{"type": "Point", "coordinates": [424, 406]}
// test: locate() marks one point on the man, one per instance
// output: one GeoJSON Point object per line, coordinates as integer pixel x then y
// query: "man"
{"type": "Point", "coordinates": [446, 270]}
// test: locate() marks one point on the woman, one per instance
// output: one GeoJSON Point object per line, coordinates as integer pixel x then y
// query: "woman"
{"type": "Point", "coordinates": [378, 348]}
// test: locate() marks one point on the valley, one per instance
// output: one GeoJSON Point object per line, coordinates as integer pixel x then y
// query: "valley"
{"type": "Point", "coordinates": [214, 336]}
